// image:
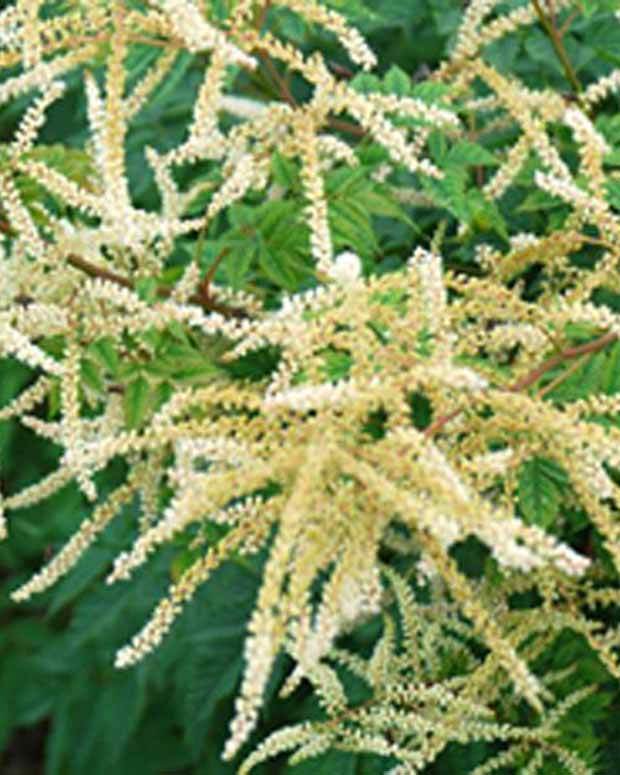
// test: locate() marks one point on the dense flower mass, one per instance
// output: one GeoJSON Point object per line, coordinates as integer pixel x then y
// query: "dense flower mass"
{"type": "Point", "coordinates": [401, 406]}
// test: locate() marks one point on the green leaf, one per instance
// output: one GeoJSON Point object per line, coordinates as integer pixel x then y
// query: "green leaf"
{"type": "Point", "coordinates": [341, 181]}
{"type": "Point", "coordinates": [382, 204]}
{"type": "Point", "coordinates": [539, 201]}
{"type": "Point", "coordinates": [449, 192]}
{"type": "Point", "coordinates": [136, 402]}
{"type": "Point", "coordinates": [91, 375]}
{"type": "Point", "coordinates": [285, 271]}
{"type": "Point", "coordinates": [542, 484]}
{"type": "Point", "coordinates": [238, 262]}
{"type": "Point", "coordinates": [613, 158]}
{"type": "Point", "coordinates": [104, 726]}
{"type": "Point", "coordinates": [613, 193]}
{"type": "Point", "coordinates": [396, 81]}
{"type": "Point", "coordinates": [351, 226]}
{"type": "Point", "coordinates": [581, 332]}
{"type": "Point", "coordinates": [484, 214]}
{"type": "Point", "coordinates": [292, 26]}
{"type": "Point", "coordinates": [215, 623]}
{"type": "Point", "coordinates": [610, 375]}
{"type": "Point", "coordinates": [336, 364]}
{"type": "Point", "coordinates": [424, 343]}
{"type": "Point", "coordinates": [53, 400]}
{"type": "Point", "coordinates": [105, 351]}
{"type": "Point", "coordinates": [604, 38]}
{"type": "Point", "coordinates": [182, 362]}
{"type": "Point", "coordinates": [365, 83]}
{"type": "Point", "coordinates": [284, 171]}
{"type": "Point", "coordinates": [272, 216]}
{"type": "Point", "coordinates": [74, 163]}
{"type": "Point", "coordinates": [395, 298]}
{"type": "Point", "coordinates": [465, 154]}
{"type": "Point", "coordinates": [146, 288]}
{"type": "Point", "coordinates": [241, 215]}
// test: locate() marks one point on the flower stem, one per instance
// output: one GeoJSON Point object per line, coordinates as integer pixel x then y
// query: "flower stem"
{"type": "Point", "coordinates": [556, 41]}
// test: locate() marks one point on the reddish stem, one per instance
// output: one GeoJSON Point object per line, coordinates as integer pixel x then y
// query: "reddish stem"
{"type": "Point", "coordinates": [533, 376]}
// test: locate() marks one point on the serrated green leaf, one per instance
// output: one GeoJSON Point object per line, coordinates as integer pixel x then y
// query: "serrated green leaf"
{"type": "Point", "coordinates": [292, 26]}
{"type": "Point", "coordinates": [91, 375]}
{"type": "Point", "coordinates": [396, 81]}
{"type": "Point", "coordinates": [285, 271]}
{"type": "Point", "coordinates": [216, 627]}
{"type": "Point", "coordinates": [105, 351]}
{"type": "Point", "coordinates": [136, 402]}
{"type": "Point", "coordinates": [53, 400]}
{"type": "Point", "coordinates": [273, 215]}
{"type": "Point", "coordinates": [396, 298]}
{"type": "Point", "coordinates": [284, 171]}
{"type": "Point", "coordinates": [580, 332]}
{"type": "Point", "coordinates": [365, 83]}
{"type": "Point", "coordinates": [74, 163]}
{"type": "Point", "coordinates": [542, 484]}
{"type": "Point", "coordinates": [351, 227]}
{"type": "Point", "coordinates": [484, 214]}
{"type": "Point", "coordinates": [238, 263]}
{"type": "Point", "coordinates": [340, 181]}
{"type": "Point", "coordinates": [538, 201]}
{"type": "Point", "coordinates": [378, 203]}
{"type": "Point", "coordinates": [449, 192]}
{"type": "Point", "coordinates": [242, 215]}
{"type": "Point", "coordinates": [465, 154]}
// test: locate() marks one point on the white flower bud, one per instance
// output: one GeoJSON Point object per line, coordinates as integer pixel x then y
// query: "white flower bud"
{"type": "Point", "coordinates": [346, 269]}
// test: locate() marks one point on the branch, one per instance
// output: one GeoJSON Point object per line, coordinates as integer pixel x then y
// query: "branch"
{"type": "Point", "coordinates": [200, 299]}
{"type": "Point", "coordinates": [287, 96]}
{"type": "Point", "coordinates": [98, 271]}
{"type": "Point", "coordinates": [556, 41]}
{"type": "Point", "coordinates": [568, 354]}
{"type": "Point", "coordinates": [280, 82]}
{"type": "Point", "coordinates": [533, 376]}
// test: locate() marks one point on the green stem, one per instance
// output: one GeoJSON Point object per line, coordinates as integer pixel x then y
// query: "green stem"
{"type": "Point", "coordinates": [558, 45]}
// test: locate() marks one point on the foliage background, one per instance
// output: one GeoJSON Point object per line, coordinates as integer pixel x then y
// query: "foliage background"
{"type": "Point", "coordinates": [64, 709]}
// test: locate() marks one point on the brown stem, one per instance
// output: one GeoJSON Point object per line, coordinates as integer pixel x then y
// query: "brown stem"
{"type": "Point", "coordinates": [282, 85]}
{"type": "Point", "coordinates": [98, 271]}
{"type": "Point", "coordinates": [556, 41]}
{"type": "Point", "coordinates": [596, 345]}
{"type": "Point", "coordinates": [261, 16]}
{"type": "Point", "coordinates": [199, 298]}
{"type": "Point", "coordinates": [565, 27]}
{"type": "Point", "coordinates": [204, 289]}
{"type": "Point", "coordinates": [287, 96]}
{"type": "Point", "coordinates": [533, 376]}
{"type": "Point", "coordinates": [561, 377]}
{"type": "Point", "coordinates": [347, 126]}
{"type": "Point", "coordinates": [341, 70]}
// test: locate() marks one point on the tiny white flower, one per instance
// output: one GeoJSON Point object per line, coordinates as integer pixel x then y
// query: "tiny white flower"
{"type": "Point", "coordinates": [346, 269]}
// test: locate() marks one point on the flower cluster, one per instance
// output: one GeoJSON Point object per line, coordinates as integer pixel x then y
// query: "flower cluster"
{"type": "Point", "coordinates": [400, 408]}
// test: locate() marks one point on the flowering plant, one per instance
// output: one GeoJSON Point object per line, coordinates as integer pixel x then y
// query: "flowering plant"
{"type": "Point", "coordinates": [356, 333]}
